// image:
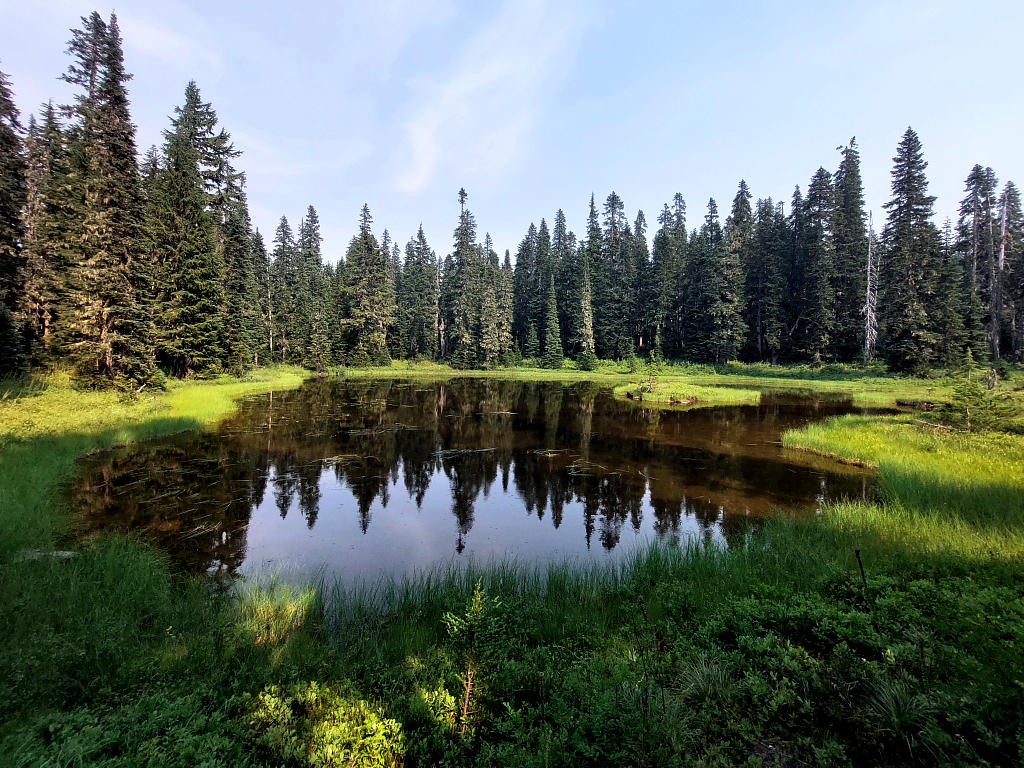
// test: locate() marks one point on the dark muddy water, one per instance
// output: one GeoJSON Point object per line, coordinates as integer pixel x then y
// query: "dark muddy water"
{"type": "Point", "coordinates": [363, 478]}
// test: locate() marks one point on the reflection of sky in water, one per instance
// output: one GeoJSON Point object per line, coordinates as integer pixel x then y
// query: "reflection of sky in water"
{"type": "Point", "coordinates": [588, 478]}
{"type": "Point", "coordinates": [401, 538]}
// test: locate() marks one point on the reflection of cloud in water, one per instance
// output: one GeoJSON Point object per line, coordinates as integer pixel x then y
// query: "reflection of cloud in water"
{"type": "Point", "coordinates": [362, 478]}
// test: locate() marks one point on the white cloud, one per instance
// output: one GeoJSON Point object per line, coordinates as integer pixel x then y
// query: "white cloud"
{"type": "Point", "coordinates": [477, 118]}
{"type": "Point", "coordinates": [158, 40]}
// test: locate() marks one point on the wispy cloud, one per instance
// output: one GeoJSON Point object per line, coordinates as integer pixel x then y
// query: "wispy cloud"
{"type": "Point", "coordinates": [156, 38]}
{"type": "Point", "coordinates": [477, 118]}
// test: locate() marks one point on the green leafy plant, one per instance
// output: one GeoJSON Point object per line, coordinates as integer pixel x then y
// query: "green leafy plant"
{"type": "Point", "coordinates": [308, 724]}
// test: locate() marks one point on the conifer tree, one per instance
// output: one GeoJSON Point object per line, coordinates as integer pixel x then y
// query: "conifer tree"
{"type": "Point", "coordinates": [309, 280]}
{"type": "Point", "coordinates": [765, 283]}
{"type": "Point", "coordinates": [817, 299]}
{"type": "Point", "coordinates": [613, 284]}
{"type": "Point", "coordinates": [639, 317]}
{"type": "Point", "coordinates": [566, 259]}
{"type": "Point", "coordinates": [285, 279]}
{"type": "Point", "coordinates": [524, 278]}
{"type": "Point", "coordinates": [12, 260]}
{"type": "Point", "coordinates": [911, 243]}
{"type": "Point", "coordinates": [850, 248]}
{"type": "Point", "coordinates": [367, 270]}
{"type": "Point", "coordinates": [112, 328]}
{"type": "Point", "coordinates": [243, 326]}
{"type": "Point", "coordinates": [538, 286]}
{"type": "Point", "coordinates": [1011, 260]}
{"type": "Point", "coordinates": [587, 357]}
{"type": "Point", "coordinates": [727, 327]}
{"type": "Point", "coordinates": [50, 226]}
{"type": "Point", "coordinates": [488, 320]}
{"type": "Point", "coordinates": [531, 349]}
{"type": "Point", "coordinates": [419, 289]}
{"type": "Point", "coordinates": [262, 271]}
{"type": "Point", "coordinates": [669, 266]}
{"type": "Point", "coordinates": [466, 278]}
{"type": "Point", "coordinates": [553, 354]}
{"type": "Point", "coordinates": [190, 295]}
{"type": "Point", "coordinates": [947, 314]}
{"type": "Point", "coordinates": [977, 246]}
{"type": "Point", "coordinates": [505, 300]}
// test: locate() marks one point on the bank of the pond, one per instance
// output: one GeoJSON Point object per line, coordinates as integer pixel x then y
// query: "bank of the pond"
{"type": "Point", "coordinates": [884, 634]}
{"type": "Point", "coordinates": [866, 386]}
{"type": "Point", "coordinates": [46, 424]}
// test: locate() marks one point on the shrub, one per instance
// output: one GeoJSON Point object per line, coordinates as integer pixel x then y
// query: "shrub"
{"type": "Point", "coordinates": [312, 725]}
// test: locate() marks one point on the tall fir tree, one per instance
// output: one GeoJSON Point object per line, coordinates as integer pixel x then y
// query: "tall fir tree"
{"type": "Point", "coordinates": [1011, 260]}
{"type": "Point", "coordinates": [553, 354]}
{"type": "Point", "coordinates": [850, 248]}
{"type": "Point", "coordinates": [466, 278]}
{"type": "Point", "coordinates": [12, 260]}
{"type": "Point", "coordinates": [51, 214]}
{"type": "Point", "coordinates": [979, 257]}
{"type": "Point", "coordinates": [286, 275]}
{"type": "Point", "coordinates": [817, 300]}
{"type": "Point", "coordinates": [765, 284]}
{"type": "Point", "coordinates": [190, 285]}
{"type": "Point", "coordinates": [524, 278]}
{"type": "Point", "coordinates": [367, 271]}
{"type": "Point", "coordinates": [910, 240]}
{"type": "Point", "coordinates": [112, 332]}
{"type": "Point", "coordinates": [505, 304]}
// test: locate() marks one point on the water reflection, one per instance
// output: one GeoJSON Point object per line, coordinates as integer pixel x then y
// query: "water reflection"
{"type": "Point", "coordinates": [370, 477]}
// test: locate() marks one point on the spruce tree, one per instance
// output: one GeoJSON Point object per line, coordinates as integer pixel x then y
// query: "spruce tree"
{"type": "Point", "coordinates": [979, 257]}
{"type": "Point", "coordinates": [419, 302]}
{"type": "Point", "coordinates": [553, 354]}
{"type": "Point", "coordinates": [285, 280]}
{"type": "Point", "coordinates": [638, 310]}
{"type": "Point", "coordinates": [505, 304]}
{"type": "Point", "coordinates": [727, 327]}
{"type": "Point", "coordinates": [50, 222]}
{"type": "Point", "coordinates": [466, 288]}
{"type": "Point", "coordinates": [367, 288]}
{"type": "Point", "coordinates": [817, 299]}
{"type": "Point", "coordinates": [531, 349]}
{"type": "Point", "coordinates": [243, 326]}
{"type": "Point", "coordinates": [765, 283]}
{"type": "Point", "coordinates": [850, 248]}
{"type": "Point", "coordinates": [1011, 259]}
{"type": "Point", "coordinates": [190, 295]}
{"type": "Point", "coordinates": [263, 273]}
{"type": "Point", "coordinates": [112, 328]}
{"type": "Point", "coordinates": [12, 260]}
{"type": "Point", "coordinates": [911, 244]}
{"type": "Point", "coordinates": [947, 312]}
{"type": "Point", "coordinates": [524, 278]}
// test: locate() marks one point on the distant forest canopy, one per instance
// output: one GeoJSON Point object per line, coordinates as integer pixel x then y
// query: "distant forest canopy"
{"type": "Point", "coordinates": [132, 271]}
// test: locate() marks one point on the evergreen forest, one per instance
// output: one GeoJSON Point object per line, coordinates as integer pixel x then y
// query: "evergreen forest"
{"type": "Point", "coordinates": [134, 266]}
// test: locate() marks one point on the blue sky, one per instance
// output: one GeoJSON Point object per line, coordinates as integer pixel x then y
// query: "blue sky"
{"type": "Point", "coordinates": [533, 105]}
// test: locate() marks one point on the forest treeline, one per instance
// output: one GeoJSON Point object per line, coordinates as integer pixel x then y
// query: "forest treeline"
{"type": "Point", "coordinates": [130, 270]}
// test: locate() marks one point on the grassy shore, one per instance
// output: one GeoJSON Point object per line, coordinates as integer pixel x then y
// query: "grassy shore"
{"type": "Point", "coordinates": [874, 634]}
{"type": "Point", "coordinates": [868, 386]}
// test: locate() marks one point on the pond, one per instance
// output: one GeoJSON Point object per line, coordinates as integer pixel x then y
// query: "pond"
{"type": "Point", "coordinates": [357, 479]}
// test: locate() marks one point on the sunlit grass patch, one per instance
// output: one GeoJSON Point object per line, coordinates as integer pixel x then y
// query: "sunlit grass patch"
{"type": "Point", "coordinates": [676, 392]}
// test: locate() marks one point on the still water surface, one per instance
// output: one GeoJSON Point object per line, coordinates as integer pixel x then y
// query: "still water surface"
{"type": "Point", "coordinates": [360, 479]}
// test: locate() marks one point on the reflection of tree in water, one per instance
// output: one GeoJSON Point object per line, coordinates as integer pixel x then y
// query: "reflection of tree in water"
{"type": "Point", "coordinates": [194, 505]}
{"type": "Point", "coordinates": [552, 444]}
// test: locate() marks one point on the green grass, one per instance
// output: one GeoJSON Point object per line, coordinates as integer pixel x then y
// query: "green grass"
{"type": "Point", "coordinates": [774, 651]}
{"type": "Point", "coordinates": [866, 386]}
{"type": "Point", "coordinates": [46, 424]}
{"type": "Point", "coordinates": [682, 394]}
{"type": "Point", "coordinates": [946, 489]}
